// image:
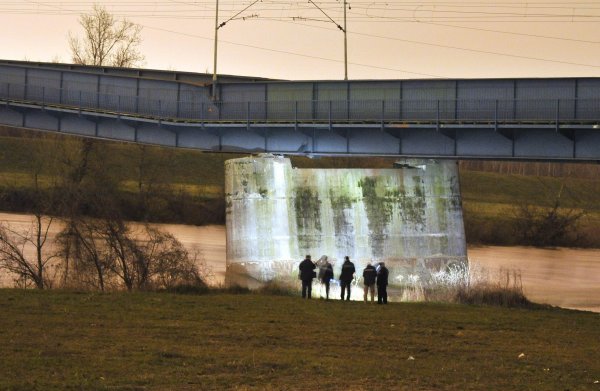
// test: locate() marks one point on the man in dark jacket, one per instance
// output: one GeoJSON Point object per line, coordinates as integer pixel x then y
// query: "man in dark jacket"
{"type": "Point", "coordinates": [307, 274]}
{"type": "Point", "coordinates": [347, 276]}
{"type": "Point", "coordinates": [369, 276]}
{"type": "Point", "coordinates": [382, 282]}
{"type": "Point", "coordinates": [325, 274]}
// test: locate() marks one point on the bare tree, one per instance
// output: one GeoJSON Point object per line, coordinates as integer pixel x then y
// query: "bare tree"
{"type": "Point", "coordinates": [12, 252]}
{"type": "Point", "coordinates": [548, 226]}
{"type": "Point", "coordinates": [13, 243]}
{"type": "Point", "coordinates": [168, 263]}
{"type": "Point", "coordinates": [106, 41]}
{"type": "Point", "coordinates": [85, 258]}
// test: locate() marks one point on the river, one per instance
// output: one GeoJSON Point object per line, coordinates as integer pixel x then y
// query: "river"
{"type": "Point", "coordinates": [568, 278]}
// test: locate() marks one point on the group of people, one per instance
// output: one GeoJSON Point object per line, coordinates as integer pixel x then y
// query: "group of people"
{"type": "Point", "coordinates": [371, 277]}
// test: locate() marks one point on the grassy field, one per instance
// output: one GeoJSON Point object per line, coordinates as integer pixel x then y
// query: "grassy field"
{"type": "Point", "coordinates": [153, 341]}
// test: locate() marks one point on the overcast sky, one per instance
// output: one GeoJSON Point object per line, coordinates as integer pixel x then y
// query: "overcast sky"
{"type": "Point", "coordinates": [300, 40]}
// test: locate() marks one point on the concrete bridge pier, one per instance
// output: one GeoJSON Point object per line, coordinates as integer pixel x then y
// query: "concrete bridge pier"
{"type": "Point", "coordinates": [409, 216]}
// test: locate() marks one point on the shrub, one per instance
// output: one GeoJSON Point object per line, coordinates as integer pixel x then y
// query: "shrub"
{"type": "Point", "coordinates": [276, 289]}
{"type": "Point", "coordinates": [506, 291]}
{"type": "Point", "coordinates": [189, 289]}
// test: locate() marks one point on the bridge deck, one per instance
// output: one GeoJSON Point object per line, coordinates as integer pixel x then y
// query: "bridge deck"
{"type": "Point", "coordinates": [512, 119]}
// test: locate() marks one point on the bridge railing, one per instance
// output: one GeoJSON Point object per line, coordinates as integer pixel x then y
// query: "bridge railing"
{"type": "Point", "coordinates": [322, 111]}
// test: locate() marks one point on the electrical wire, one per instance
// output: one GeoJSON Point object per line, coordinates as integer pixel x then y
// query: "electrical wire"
{"type": "Point", "coordinates": [296, 54]}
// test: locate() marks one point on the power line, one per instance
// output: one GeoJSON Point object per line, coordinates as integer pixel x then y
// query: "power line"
{"type": "Point", "coordinates": [294, 53]}
{"type": "Point", "coordinates": [457, 48]}
{"type": "Point", "coordinates": [510, 32]}
{"type": "Point", "coordinates": [63, 11]}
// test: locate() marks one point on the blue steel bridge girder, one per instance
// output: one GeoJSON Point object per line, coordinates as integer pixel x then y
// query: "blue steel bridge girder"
{"type": "Point", "coordinates": [507, 119]}
{"type": "Point", "coordinates": [570, 142]}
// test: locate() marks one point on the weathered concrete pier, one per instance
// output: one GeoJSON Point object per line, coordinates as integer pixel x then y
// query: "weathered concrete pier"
{"type": "Point", "coordinates": [409, 216]}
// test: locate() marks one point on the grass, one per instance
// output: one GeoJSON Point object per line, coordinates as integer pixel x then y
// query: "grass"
{"type": "Point", "coordinates": [154, 341]}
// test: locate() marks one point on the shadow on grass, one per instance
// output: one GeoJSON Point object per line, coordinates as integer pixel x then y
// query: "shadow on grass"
{"type": "Point", "coordinates": [270, 288]}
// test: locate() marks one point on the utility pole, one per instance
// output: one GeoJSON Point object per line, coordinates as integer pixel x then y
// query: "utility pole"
{"type": "Point", "coordinates": [217, 27]}
{"type": "Point", "coordinates": [214, 78]}
{"type": "Point", "coordinates": [345, 45]}
{"type": "Point", "coordinates": [343, 30]}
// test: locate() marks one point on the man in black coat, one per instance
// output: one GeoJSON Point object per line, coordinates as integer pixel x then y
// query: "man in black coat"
{"type": "Point", "coordinates": [382, 282]}
{"type": "Point", "coordinates": [347, 276]}
{"type": "Point", "coordinates": [369, 277]}
{"type": "Point", "coordinates": [307, 274]}
{"type": "Point", "coordinates": [325, 274]}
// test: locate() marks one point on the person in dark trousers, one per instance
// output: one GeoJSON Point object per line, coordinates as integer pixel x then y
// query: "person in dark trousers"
{"type": "Point", "coordinates": [347, 276]}
{"type": "Point", "coordinates": [369, 277]}
{"type": "Point", "coordinates": [307, 274]}
{"type": "Point", "coordinates": [325, 274]}
{"type": "Point", "coordinates": [382, 283]}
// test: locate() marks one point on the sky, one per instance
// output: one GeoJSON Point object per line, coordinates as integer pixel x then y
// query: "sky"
{"type": "Point", "coordinates": [300, 40]}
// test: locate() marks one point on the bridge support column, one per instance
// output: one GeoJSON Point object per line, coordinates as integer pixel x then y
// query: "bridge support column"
{"type": "Point", "coordinates": [409, 217]}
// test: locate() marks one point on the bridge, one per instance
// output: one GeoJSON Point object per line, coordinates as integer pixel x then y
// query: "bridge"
{"type": "Point", "coordinates": [517, 119]}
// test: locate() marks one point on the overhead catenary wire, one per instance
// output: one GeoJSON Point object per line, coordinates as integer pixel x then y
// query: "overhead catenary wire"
{"type": "Point", "coordinates": [298, 54]}
{"type": "Point", "coordinates": [164, 12]}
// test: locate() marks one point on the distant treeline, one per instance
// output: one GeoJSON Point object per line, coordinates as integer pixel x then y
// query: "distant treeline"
{"type": "Point", "coordinates": [549, 169]}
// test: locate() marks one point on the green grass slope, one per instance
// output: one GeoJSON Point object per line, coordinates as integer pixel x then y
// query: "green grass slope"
{"type": "Point", "coordinates": [150, 341]}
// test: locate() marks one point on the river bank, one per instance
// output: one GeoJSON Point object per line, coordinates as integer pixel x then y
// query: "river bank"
{"type": "Point", "coordinates": [568, 278]}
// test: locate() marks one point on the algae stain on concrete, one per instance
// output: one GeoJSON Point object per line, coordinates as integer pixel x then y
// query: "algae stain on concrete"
{"type": "Point", "coordinates": [308, 216]}
{"type": "Point", "coordinates": [379, 204]}
{"type": "Point", "coordinates": [342, 210]}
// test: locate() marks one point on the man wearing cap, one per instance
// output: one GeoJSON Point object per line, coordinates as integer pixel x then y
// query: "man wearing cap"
{"type": "Point", "coordinates": [347, 276]}
{"type": "Point", "coordinates": [382, 282]}
{"type": "Point", "coordinates": [369, 277]}
{"type": "Point", "coordinates": [307, 274]}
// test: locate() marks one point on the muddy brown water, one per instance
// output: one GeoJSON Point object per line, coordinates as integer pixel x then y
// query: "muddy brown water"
{"type": "Point", "coordinates": [568, 278]}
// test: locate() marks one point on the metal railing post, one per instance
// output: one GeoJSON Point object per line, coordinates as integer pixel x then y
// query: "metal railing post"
{"type": "Point", "coordinates": [248, 115]}
{"type": "Point", "coordinates": [557, 113]}
{"type": "Point", "coordinates": [437, 115]}
{"type": "Point", "coordinates": [382, 113]}
{"type": "Point", "coordinates": [202, 114]}
{"type": "Point", "coordinates": [496, 115]}
{"type": "Point", "coordinates": [296, 115]}
{"type": "Point", "coordinates": [79, 102]}
{"type": "Point", "coordinates": [329, 115]}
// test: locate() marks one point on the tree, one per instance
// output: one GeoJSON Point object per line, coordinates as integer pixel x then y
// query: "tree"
{"type": "Point", "coordinates": [107, 41]}
{"type": "Point", "coordinates": [86, 262]}
{"type": "Point", "coordinates": [548, 226]}
{"type": "Point", "coordinates": [13, 256]}
{"type": "Point", "coordinates": [14, 244]}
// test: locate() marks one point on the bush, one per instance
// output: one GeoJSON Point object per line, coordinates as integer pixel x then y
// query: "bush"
{"type": "Point", "coordinates": [507, 291]}
{"type": "Point", "coordinates": [233, 290]}
{"type": "Point", "coordinates": [276, 289]}
{"type": "Point", "coordinates": [189, 289]}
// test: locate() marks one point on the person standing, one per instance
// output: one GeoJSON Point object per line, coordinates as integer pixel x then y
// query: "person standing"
{"type": "Point", "coordinates": [369, 277]}
{"type": "Point", "coordinates": [307, 274]}
{"type": "Point", "coordinates": [347, 276]}
{"type": "Point", "coordinates": [325, 274]}
{"type": "Point", "coordinates": [382, 283]}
